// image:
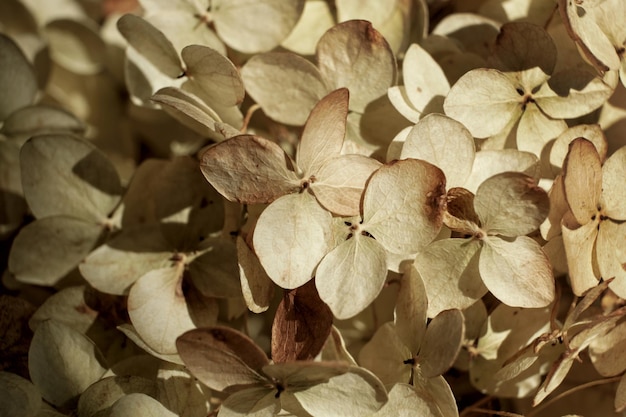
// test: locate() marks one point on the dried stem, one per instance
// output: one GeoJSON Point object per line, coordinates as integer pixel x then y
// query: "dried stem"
{"type": "Point", "coordinates": [572, 391]}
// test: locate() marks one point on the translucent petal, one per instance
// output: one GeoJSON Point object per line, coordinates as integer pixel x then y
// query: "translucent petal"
{"type": "Point", "coordinates": [213, 74]}
{"type": "Point", "coordinates": [593, 43]}
{"type": "Point", "coordinates": [134, 403]}
{"type": "Point", "coordinates": [351, 49]}
{"type": "Point", "coordinates": [340, 182]}
{"type": "Point", "coordinates": [573, 93]}
{"type": "Point", "coordinates": [356, 392]}
{"type": "Point", "coordinates": [64, 175]}
{"type": "Point", "coordinates": [449, 269]}
{"type": "Point", "coordinates": [17, 78]}
{"type": "Point", "coordinates": [518, 273]}
{"type": "Point", "coordinates": [431, 140]}
{"type": "Point", "coordinates": [404, 401]}
{"type": "Point", "coordinates": [407, 192]}
{"type": "Point", "coordinates": [410, 312]}
{"type": "Point", "coordinates": [355, 271]}
{"type": "Point", "coordinates": [151, 43]}
{"type": "Point", "coordinates": [511, 204]}
{"type": "Point", "coordinates": [613, 190]}
{"type": "Point", "coordinates": [535, 130]}
{"type": "Point", "coordinates": [187, 109]}
{"type": "Point", "coordinates": [257, 287]}
{"type": "Point", "coordinates": [63, 363]}
{"type": "Point", "coordinates": [258, 26]}
{"type": "Point", "coordinates": [442, 343]}
{"type": "Point", "coordinates": [424, 79]}
{"type": "Point", "coordinates": [579, 242]}
{"type": "Point", "coordinates": [484, 100]}
{"type": "Point", "coordinates": [48, 249]}
{"type": "Point", "coordinates": [291, 237]}
{"type": "Point", "coordinates": [488, 163]}
{"type": "Point", "coordinates": [385, 354]}
{"type": "Point", "coordinates": [76, 45]}
{"type": "Point", "coordinates": [221, 357]}
{"type": "Point", "coordinates": [592, 133]}
{"type": "Point", "coordinates": [249, 169]}
{"type": "Point", "coordinates": [285, 85]}
{"type": "Point", "coordinates": [582, 180]}
{"type": "Point", "coordinates": [127, 257]}
{"type": "Point", "coordinates": [107, 391]}
{"type": "Point", "coordinates": [324, 130]}
{"type": "Point", "coordinates": [157, 308]}
{"type": "Point", "coordinates": [611, 254]}
{"type": "Point", "coordinates": [252, 402]}
{"type": "Point", "coordinates": [316, 19]}
{"type": "Point", "coordinates": [605, 352]}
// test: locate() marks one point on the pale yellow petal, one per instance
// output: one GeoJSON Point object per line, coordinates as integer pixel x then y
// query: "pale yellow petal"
{"type": "Point", "coordinates": [517, 272]}
{"type": "Point", "coordinates": [291, 236]}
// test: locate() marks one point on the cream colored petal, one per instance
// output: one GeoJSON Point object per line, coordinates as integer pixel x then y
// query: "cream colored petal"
{"type": "Point", "coordinates": [316, 19]}
{"type": "Point", "coordinates": [579, 242]}
{"type": "Point", "coordinates": [187, 109]}
{"type": "Point", "coordinates": [20, 396]}
{"type": "Point", "coordinates": [410, 312]}
{"type": "Point", "coordinates": [285, 85]}
{"type": "Point", "coordinates": [518, 273]}
{"type": "Point", "coordinates": [488, 163]}
{"type": "Point", "coordinates": [352, 275]}
{"type": "Point", "coordinates": [403, 205]}
{"type": "Point", "coordinates": [484, 100]}
{"type": "Point", "coordinates": [432, 140]}
{"type": "Point", "coordinates": [611, 254]}
{"type": "Point", "coordinates": [400, 100]}
{"type": "Point", "coordinates": [257, 287]}
{"type": "Point", "coordinates": [151, 43]}
{"type": "Point", "coordinates": [385, 354]}
{"type": "Point", "coordinates": [157, 308]}
{"type": "Point", "coordinates": [405, 401]}
{"type": "Point", "coordinates": [351, 49]}
{"type": "Point", "coordinates": [606, 352]}
{"type": "Point", "coordinates": [442, 343]}
{"type": "Point", "coordinates": [72, 178]}
{"type": "Point", "coordinates": [449, 269]}
{"type": "Point", "coordinates": [324, 130]}
{"type": "Point", "coordinates": [138, 403]}
{"type": "Point", "coordinates": [213, 74]}
{"type": "Point", "coordinates": [62, 362]}
{"type": "Point", "coordinates": [424, 79]}
{"type": "Point", "coordinates": [46, 250]}
{"type": "Point", "coordinates": [255, 27]}
{"type": "Point", "coordinates": [76, 45]}
{"type": "Point", "coordinates": [340, 182]}
{"type": "Point", "coordinates": [613, 189]}
{"type": "Point", "coordinates": [559, 149]}
{"type": "Point", "coordinates": [573, 93]}
{"type": "Point", "coordinates": [511, 204]}
{"type": "Point", "coordinates": [357, 391]}
{"type": "Point", "coordinates": [291, 236]}
{"type": "Point", "coordinates": [535, 130]}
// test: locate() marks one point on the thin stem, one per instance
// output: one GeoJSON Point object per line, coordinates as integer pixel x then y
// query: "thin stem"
{"type": "Point", "coordinates": [248, 116]}
{"type": "Point", "coordinates": [495, 413]}
{"type": "Point", "coordinates": [572, 391]}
